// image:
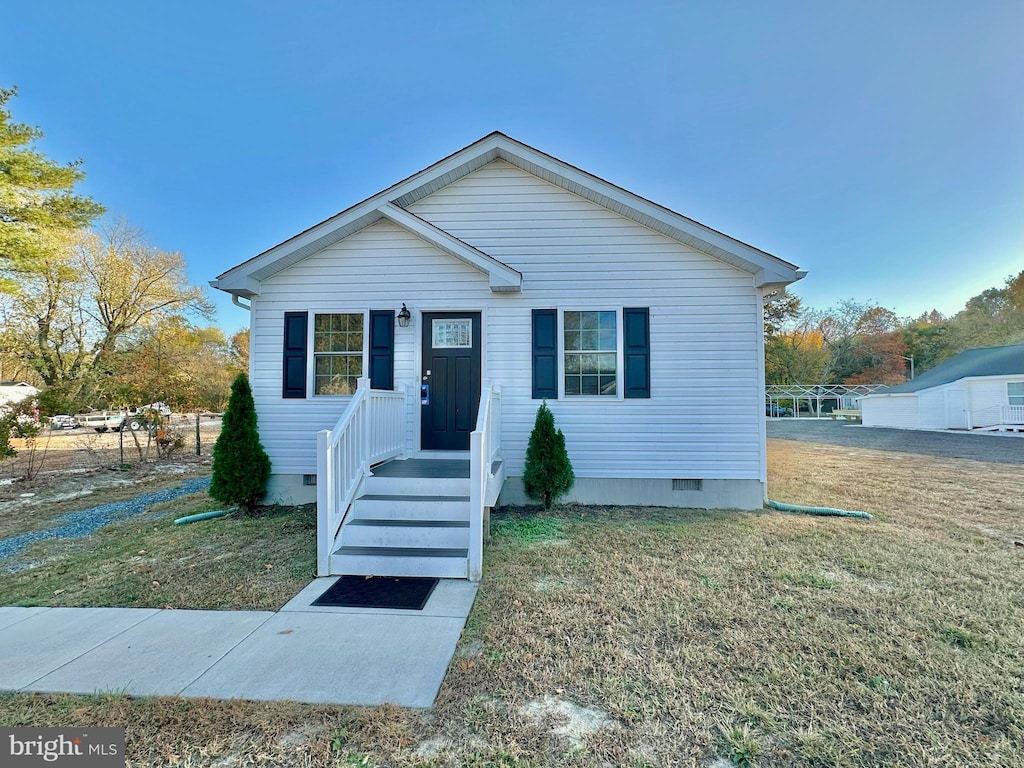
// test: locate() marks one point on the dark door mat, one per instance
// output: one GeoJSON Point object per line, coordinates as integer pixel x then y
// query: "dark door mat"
{"type": "Point", "coordinates": [403, 592]}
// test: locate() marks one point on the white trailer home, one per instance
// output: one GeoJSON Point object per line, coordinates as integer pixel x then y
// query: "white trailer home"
{"type": "Point", "coordinates": [977, 389]}
{"type": "Point", "coordinates": [400, 349]}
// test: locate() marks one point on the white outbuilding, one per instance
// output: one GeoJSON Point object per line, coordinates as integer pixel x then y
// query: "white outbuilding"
{"type": "Point", "coordinates": [15, 391]}
{"type": "Point", "coordinates": [976, 389]}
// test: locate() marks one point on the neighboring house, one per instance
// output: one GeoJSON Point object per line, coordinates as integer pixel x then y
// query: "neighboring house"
{"type": "Point", "coordinates": [515, 278]}
{"type": "Point", "coordinates": [976, 389]}
{"type": "Point", "coordinates": [15, 391]}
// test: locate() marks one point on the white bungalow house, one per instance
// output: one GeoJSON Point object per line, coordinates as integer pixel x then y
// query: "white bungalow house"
{"type": "Point", "coordinates": [976, 389]}
{"type": "Point", "coordinates": [400, 350]}
{"type": "Point", "coordinates": [15, 391]}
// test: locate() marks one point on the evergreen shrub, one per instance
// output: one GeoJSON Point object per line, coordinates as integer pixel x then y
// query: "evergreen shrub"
{"type": "Point", "coordinates": [548, 473]}
{"type": "Point", "coordinates": [241, 467]}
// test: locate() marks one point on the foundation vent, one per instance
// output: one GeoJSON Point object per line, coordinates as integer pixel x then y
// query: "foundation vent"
{"type": "Point", "coordinates": [687, 484]}
{"type": "Point", "coordinates": [311, 480]}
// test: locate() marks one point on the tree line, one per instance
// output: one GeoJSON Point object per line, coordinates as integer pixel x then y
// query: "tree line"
{"type": "Point", "coordinates": [862, 343]}
{"type": "Point", "coordinates": [93, 312]}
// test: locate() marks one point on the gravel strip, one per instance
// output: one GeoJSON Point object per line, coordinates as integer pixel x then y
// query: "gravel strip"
{"type": "Point", "coordinates": [994, 447]}
{"type": "Point", "coordinates": [78, 524]}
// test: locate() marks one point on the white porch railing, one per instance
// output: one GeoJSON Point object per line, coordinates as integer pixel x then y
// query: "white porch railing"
{"type": "Point", "coordinates": [484, 450]}
{"type": "Point", "coordinates": [1013, 414]}
{"type": "Point", "coordinates": [371, 429]}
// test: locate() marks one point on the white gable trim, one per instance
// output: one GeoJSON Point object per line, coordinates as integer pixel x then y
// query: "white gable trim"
{"type": "Point", "coordinates": [503, 279]}
{"type": "Point", "coordinates": [769, 272]}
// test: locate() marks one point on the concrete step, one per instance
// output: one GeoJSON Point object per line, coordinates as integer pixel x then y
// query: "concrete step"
{"type": "Point", "coordinates": [415, 534]}
{"type": "Point", "coordinates": [416, 486]}
{"type": "Point", "coordinates": [401, 561]}
{"type": "Point", "coordinates": [381, 506]}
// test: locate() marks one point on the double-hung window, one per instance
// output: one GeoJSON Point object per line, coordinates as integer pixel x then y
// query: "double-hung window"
{"type": "Point", "coordinates": [590, 349]}
{"type": "Point", "coordinates": [337, 353]}
{"type": "Point", "coordinates": [1015, 392]}
{"type": "Point", "coordinates": [590, 353]}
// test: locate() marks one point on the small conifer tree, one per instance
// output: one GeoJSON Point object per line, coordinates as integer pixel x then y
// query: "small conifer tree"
{"type": "Point", "coordinates": [548, 473]}
{"type": "Point", "coordinates": [240, 465]}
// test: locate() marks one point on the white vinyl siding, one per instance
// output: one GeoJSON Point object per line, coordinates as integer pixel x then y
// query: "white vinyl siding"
{"type": "Point", "coordinates": [890, 411]}
{"type": "Point", "coordinates": [705, 413]}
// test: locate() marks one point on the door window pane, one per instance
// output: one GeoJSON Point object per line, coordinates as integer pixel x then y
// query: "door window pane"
{"type": "Point", "coordinates": [449, 334]}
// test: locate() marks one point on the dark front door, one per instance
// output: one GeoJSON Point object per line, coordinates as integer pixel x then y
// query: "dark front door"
{"type": "Point", "coordinates": [451, 378]}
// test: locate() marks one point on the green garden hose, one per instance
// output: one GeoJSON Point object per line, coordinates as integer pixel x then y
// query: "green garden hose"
{"type": "Point", "coordinates": [202, 516]}
{"type": "Point", "coordinates": [827, 511]}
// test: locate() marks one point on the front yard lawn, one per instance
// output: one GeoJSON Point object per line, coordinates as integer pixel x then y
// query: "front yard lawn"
{"type": "Point", "coordinates": [651, 637]}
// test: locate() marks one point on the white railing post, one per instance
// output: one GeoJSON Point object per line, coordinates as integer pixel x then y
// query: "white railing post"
{"type": "Point", "coordinates": [324, 535]}
{"type": "Point", "coordinates": [476, 506]}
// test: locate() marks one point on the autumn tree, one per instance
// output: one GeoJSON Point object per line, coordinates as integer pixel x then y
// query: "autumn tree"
{"type": "Point", "coordinates": [45, 323]}
{"type": "Point", "coordinates": [239, 344]}
{"type": "Point", "coordinates": [796, 355]}
{"type": "Point", "coordinates": [36, 198]}
{"type": "Point", "coordinates": [927, 340]}
{"type": "Point", "coordinates": [133, 285]}
{"type": "Point", "coordinates": [992, 318]}
{"type": "Point", "coordinates": [174, 361]}
{"type": "Point", "coordinates": [780, 309]}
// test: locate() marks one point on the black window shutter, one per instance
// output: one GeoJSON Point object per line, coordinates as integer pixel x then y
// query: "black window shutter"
{"type": "Point", "coordinates": [636, 349]}
{"type": "Point", "coordinates": [545, 354]}
{"type": "Point", "coordinates": [382, 349]}
{"type": "Point", "coordinates": [295, 325]}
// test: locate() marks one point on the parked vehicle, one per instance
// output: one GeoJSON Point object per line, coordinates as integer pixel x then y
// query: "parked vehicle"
{"type": "Point", "coordinates": [774, 409]}
{"type": "Point", "coordinates": [102, 421]}
{"type": "Point", "coordinates": [63, 421]}
{"type": "Point", "coordinates": [133, 418]}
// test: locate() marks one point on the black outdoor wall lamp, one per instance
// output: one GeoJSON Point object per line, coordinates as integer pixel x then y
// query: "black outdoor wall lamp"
{"type": "Point", "coordinates": [404, 316]}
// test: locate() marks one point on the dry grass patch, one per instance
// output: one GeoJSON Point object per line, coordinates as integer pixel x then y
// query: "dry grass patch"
{"type": "Point", "coordinates": [757, 639]}
{"type": "Point", "coordinates": [253, 563]}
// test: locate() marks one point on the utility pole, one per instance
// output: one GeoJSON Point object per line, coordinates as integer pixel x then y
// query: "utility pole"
{"type": "Point", "coordinates": [911, 359]}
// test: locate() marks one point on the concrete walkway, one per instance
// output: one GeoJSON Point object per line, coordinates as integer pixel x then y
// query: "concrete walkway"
{"type": "Point", "coordinates": [304, 653]}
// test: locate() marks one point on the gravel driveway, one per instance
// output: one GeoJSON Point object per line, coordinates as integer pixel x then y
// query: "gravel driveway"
{"type": "Point", "coordinates": [84, 522]}
{"type": "Point", "coordinates": [995, 447]}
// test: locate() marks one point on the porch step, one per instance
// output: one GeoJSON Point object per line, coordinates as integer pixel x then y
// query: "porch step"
{"type": "Point", "coordinates": [390, 485]}
{"type": "Point", "coordinates": [402, 533]}
{"type": "Point", "coordinates": [381, 506]}
{"type": "Point", "coordinates": [451, 563]}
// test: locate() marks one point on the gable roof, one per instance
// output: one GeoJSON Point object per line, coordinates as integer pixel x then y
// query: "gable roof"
{"type": "Point", "coordinates": [983, 361]}
{"type": "Point", "coordinates": [244, 279]}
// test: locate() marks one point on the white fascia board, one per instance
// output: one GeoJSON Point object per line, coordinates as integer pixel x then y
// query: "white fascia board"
{"type": "Point", "coordinates": [502, 277]}
{"type": "Point", "coordinates": [242, 285]}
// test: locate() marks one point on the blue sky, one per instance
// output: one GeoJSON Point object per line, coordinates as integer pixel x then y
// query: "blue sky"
{"type": "Point", "coordinates": [879, 145]}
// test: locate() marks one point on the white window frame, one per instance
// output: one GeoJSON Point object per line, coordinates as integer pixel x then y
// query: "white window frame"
{"type": "Point", "coordinates": [1010, 396]}
{"type": "Point", "coordinates": [311, 346]}
{"type": "Point", "coordinates": [619, 383]}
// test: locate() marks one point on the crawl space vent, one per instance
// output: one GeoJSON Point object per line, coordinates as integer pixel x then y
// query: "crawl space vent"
{"type": "Point", "coordinates": [687, 484]}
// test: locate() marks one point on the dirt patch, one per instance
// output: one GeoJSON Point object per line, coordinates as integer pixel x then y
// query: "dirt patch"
{"type": "Point", "coordinates": [573, 722]}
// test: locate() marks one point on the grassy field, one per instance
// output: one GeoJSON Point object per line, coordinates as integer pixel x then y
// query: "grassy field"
{"type": "Point", "coordinates": [637, 637]}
